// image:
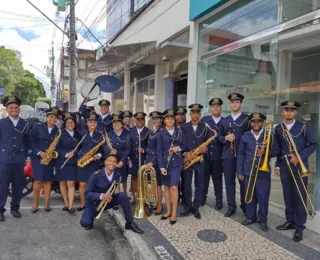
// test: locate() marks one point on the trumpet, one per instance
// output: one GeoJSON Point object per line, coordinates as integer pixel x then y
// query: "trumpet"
{"type": "Point", "coordinates": [302, 172]}
{"type": "Point", "coordinates": [232, 144]}
{"type": "Point", "coordinates": [264, 167]}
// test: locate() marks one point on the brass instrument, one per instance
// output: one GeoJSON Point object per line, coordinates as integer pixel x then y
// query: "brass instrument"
{"type": "Point", "coordinates": [112, 150]}
{"type": "Point", "coordinates": [104, 204]}
{"type": "Point", "coordinates": [139, 152]}
{"type": "Point", "coordinates": [89, 156]}
{"type": "Point", "coordinates": [147, 192]}
{"type": "Point", "coordinates": [264, 167]}
{"type": "Point", "coordinates": [304, 172]}
{"type": "Point", "coordinates": [196, 155]}
{"type": "Point", "coordinates": [232, 144]}
{"type": "Point", "coordinates": [50, 152]}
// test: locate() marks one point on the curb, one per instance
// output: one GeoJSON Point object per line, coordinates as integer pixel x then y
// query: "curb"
{"type": "Point", "coordinates": [140, 249]}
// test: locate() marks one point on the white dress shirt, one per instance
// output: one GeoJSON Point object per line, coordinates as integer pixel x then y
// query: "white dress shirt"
{"type": "Point", "coordinates": [194, 127]}
{"type": "Point", "coordinates": [139, 130]}
{"type": "Point", "coordinates": [104, 116]}
{"type": "Point", "coordinates": [257, 136]}
{"type": "Point", "coordinates": [289, 126]}
{"type": "Point", "coordinates": [235, 117]}
{"type": "Point", "coordinates": [49, 130]}
{"type": "Point", "coordinates": [171, 131]}
{"type": "Point", "coordinates": [110, 179]}
{"type": "Point", "coordinates": [71, 133]}
{"type": "Point", "coordinates": [14, 121]}
{"type": "Point", "coordinates": [216, 119]}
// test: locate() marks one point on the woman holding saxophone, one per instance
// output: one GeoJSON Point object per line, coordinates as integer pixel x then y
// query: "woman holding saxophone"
{"type": "Point", "coordinates": [118, 140]}
{"type": "Point", "coordinates": [170, 145]}
{"type": "Point", "coordinates": [89, 155]}
{"type": "Point", "coordinates": [43, 139]}
{"type": "Point", "coordinates": [66, 165]}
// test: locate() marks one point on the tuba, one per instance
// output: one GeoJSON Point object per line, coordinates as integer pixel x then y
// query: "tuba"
{"type": "Point", "coordinates": [50, 152]}
{"type": "Point", "coordinates": [147, 192]}
{"type": "Point", "coordinates": [264, 167]}
{"type": "Point", "coordinates": [196, 155]}
{"type": "Point", "coordinates": [88, 157]}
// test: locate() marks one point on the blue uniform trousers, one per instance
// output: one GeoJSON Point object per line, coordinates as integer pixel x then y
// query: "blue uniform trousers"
{"type": "Point", "coordinates": [213, 169]}
{"type": "Point", "coordinates": [229, 172]}
{"type": "Point", "coordinates": [187, 186]}
{"type": "Point", "coordinates": [295, 211]}
{"type": "Point", "coordinates": [90, 210]}
{"type": "Point", "coordinates": [11, 173]}
{"type": "Point", "coordinates": [260, 197]}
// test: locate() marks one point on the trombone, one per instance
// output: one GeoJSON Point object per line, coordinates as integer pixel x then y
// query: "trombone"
{"type": "Point", "coordinates": [264, 167]}
{"type": "Point", "coordinates": [304, 172]}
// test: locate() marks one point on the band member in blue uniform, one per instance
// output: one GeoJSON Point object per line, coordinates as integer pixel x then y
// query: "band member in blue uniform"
{"type": "Point", "coordinates": [180, 118]}
{"type": "Point", "coordinates": [127, 118]}
{"type": "Point", "coordinates": [120, 142]}
{"type": "Point", "coordinates": [41, 136]}
{"type": "Point", "coordinates": [213, 164]}
{"type": "Point", "coordinates": [252, 143]}
{"type": "Point", "coordinates": [69, 139]}
{"type": "Point", "coordinates": [196, 133]}
{"type": "Point", "coordinates": [92, 138]}
{"type": "Point", "coordinates": [171, 144]}
{"type": "Point", "coordinates": [105, 118]}
{"type": "Point", "coordinates": [139, 144]}
{"type": "Point", "coordinates": [231, 129]}
{"type": "Point", "coordinates": [151, 158]}
{"type": "Point", "coordinates": [305, 142]}
{"type": "Point", "coordinates": [13, 147]}
{"type": "Point", "coordinates": [96, 191]}
{"type": "Point", "coordinates": [85, 112]}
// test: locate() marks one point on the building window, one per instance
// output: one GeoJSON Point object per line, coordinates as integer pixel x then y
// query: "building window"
{"type": "Point", "coordinates": [118, 101]}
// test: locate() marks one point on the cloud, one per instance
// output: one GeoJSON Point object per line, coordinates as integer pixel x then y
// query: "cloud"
{"type": "Point", "coordinates": [24, 29]}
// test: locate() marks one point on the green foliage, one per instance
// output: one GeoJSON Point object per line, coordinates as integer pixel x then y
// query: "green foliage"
{"type": "Point", "coordinates": [14, 79]}
{"type": "Point", "coordinates": [43, 99]}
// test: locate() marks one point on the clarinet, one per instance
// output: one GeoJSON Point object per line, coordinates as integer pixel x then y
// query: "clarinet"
{"type": "Point", "coordinates": [170, 153]}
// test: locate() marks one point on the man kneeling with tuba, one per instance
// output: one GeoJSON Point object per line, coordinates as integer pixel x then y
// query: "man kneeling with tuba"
{"type": "Point", "coordinates": [97, 191]}
{"type": "Point", "coordinates": [253, 168]}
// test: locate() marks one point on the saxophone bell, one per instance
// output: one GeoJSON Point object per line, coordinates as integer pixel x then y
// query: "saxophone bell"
{"type": "Point", "coordinates": [54, 155]}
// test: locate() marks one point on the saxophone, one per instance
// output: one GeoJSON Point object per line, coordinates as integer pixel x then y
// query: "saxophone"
{"type": "Point", "coordinates": [196, 155]}
{"type": "Point", "coordinates": [89, 156]}
{"type": "Point", "coordinates": [50, 152]}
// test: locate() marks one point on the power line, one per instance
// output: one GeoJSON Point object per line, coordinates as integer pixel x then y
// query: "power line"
{"type": "Point", "coordinates": [14, 28]}
{"type": "Point", "coordinates": [90, 32]}
{"type": "Point", "coordinates": [46, 16]}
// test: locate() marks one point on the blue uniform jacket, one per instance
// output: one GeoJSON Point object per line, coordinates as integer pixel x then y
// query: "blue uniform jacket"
{"type": "Point", "coordinates": [134, 155]}
{"type": "Point", "coordinates": [13, 141]}
{"type": "Point", "coordinates": [105, 124]}
{"type": "Point", "coordinates": [40, 139]}
{"type": "Point", "coordinates": [239, 127]}
{"type": "Point", "coordinates": [246, 153]}
{"type": "Point", "coordinates": [195, 138]}
{"type": "Point", "coordinates": [164, 140]}
{"type": "Point", "coordinates": [67, 144]}
{"type": "Point", "coordinates": [99, 183]}
{"type": "Point", "coordinates": [89, 142]}
{"type": "Point", "coordinates": [215, 147]}
{"type": "Point", "coordinates": [121, 143]}
{"type": "Point", "coordinates": [152, 147]}
{"type": "Point", "coordinates": [305, 142]}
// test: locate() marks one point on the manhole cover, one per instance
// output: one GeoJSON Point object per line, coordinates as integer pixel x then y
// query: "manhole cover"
{"type": "Point", "coordinates": [212, 236]}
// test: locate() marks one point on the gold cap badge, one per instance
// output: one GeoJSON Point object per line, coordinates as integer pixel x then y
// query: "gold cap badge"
{"type": "Point", "coordinates": [290, 103]}
{"type": "Point", "coordinates": [256, 116]}
{"type": "Point", "coordinates": [234, 95]}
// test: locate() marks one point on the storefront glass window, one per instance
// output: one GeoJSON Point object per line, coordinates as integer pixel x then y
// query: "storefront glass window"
{"type": "Point", "coordinates": [248, 17]}
{"type": "Point", "coordinates": [285, 66]}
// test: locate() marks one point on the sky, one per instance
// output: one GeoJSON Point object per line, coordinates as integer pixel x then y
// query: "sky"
{"type": "Point", "coordinates": [24, 29]}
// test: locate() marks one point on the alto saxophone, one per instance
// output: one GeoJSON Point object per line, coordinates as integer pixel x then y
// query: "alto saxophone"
{"type": "Point", "coordinates": [196, 155]}
{"type": "Point", "coordinates": [50, 152]}
{"type": "Point", "coordinates": [89, 156]}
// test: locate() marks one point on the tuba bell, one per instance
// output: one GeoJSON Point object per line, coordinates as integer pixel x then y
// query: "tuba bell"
{"type": "Point", "coordinates": [147, 192]}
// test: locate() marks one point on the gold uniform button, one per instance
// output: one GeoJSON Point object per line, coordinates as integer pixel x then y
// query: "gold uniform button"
{"type": "Point", "coordinates": [14, 145]}
{"type": "Point", "coordinates": [14, 137]}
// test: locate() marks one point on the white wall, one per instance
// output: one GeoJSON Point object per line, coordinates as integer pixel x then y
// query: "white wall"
{"type": "Point", "coordinates": [158, 22]}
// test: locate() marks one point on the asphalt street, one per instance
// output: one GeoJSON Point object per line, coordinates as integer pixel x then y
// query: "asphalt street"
{"type": "Point", "coordinates": [58, 235]}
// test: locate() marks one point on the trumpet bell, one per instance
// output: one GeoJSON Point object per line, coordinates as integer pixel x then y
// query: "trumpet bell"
{"type": "Point", "coordinates": [264, 168]}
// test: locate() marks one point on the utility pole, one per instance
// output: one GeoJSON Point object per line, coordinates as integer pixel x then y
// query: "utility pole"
{"type": "Point", "coordinates": [72, 59]}
{"type": "Point", "coordinates": [53, 81]}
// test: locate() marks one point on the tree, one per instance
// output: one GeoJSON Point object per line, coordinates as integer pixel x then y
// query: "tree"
{"type": "Point", "coordinates": [46, 100]}
{"type": "Point", "coordinates": [14, 79]}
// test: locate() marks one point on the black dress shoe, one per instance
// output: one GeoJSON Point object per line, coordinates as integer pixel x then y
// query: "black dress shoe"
{"type": "Point", "coordinates": [47, 209]}
{"type": "Point", "coordinates": [285, 226]}
{"type": "Point", "coordinates": [71, 211]}
{"type": "Point", "coordinates": [80, 208]}
{"type": "Point", "coordinates": [219, 205]}
{"type": "Point", "coordinates": [247, 222]}
{"type": "Point", "coordinates": [197, 214]}
{"type": "Point", "coordinates": [165, 217]}
{"type": "Point", "coordinates": [172, 222]}
{"type": "Point", "coordinates": [243, 209]}
{"type": "Point", "coordinates": [16, 213]}
{"type": "Point", "coordinates": [158, 213]}
{"type": "Point", "coordinates": [65, 208]}
{"type": "Point", "coordinates": [89, 227]}
{"type": "Point", "coordinates": [34, 210]}
{"type": "Point", "coordinates": [186, 212]}
{"type": "Point", "coordinates": [298, 236]}
{"type": "Point", "coordinates": [133, 227]}
{"type": "Point", "coordinates": [2, 217]}
{"type": "Point", "coordinates": [115, 208]}
{"type": "Point", "coordinates": [264, 227]}
{"type": "Point", "coordinates": [229, 213]}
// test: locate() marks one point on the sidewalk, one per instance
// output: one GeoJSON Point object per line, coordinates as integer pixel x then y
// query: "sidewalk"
{"type": "Point", "coordinates": [216, 237]}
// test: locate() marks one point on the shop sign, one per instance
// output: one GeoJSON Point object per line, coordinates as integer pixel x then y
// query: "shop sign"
{"type": "Point", "coordinates": [199, 8]}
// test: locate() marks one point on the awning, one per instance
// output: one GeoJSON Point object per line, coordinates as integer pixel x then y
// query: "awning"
{"type": "Point", "coordinates": [167, 51]}
{"type": "Point", "coordinates": [115, 55]}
